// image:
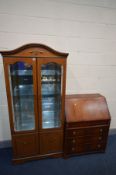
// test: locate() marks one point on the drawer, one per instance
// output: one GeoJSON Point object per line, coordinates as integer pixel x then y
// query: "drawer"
{"type": "Point", "coordinates": [70, 145]}
{"type": "Point", "coordinates": [91, 131]}
{"type": "Point", "coordinates": [90, 147]}
{"type": "Point", "coordinates": [51, 142]}
{"type": "Point", "coordinates": [91, 138]}
{"type": "Point", "coordinates": [25, 145]}
{"type": "Point", "coordinates": [75, 148]}
{"type": "Point", "coordinates": [86, 139]}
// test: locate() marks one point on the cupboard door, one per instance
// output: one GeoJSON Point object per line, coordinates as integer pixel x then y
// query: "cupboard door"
{"type": "Point", "coordinates": [21, 88]}
{"type": "Point", "coordinates": [51, 90]}
{"type": "Point", "coordinates": [25, 145]}
{"type": "Point", "coordinates": [51, 142]}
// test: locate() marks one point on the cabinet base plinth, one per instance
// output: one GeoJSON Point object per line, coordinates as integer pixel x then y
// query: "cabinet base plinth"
{"type": "Point", "coordinates": [37, 157]}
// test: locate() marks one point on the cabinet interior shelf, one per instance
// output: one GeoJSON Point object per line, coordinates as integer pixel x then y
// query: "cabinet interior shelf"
{"type": "Point", "coordinates": [50, 82]}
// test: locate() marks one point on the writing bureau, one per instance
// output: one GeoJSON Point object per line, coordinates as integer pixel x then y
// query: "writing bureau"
{"type": "Point", "coordinates": [87, 124]}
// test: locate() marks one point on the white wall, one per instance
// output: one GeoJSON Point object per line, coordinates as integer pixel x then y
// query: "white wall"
{"type": "Point", "coordinates": [84, 28]}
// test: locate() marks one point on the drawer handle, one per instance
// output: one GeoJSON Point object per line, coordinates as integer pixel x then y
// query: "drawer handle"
{"type": "Point", "coordinates": [101, 130]}
{"type": "Point", "coordinates": [74, 132]}
{"type": "Point", "coordinates": [73, 149]}
{"type": "Point", "coordinates": [99, 146]}
{"type": "Point", "coordinates": [34, 59]}
{"type": "Point", "coordinates": [24, 143]}
{"type": "Point", "coordinates": [73, 141]}
{"type": "Point", "coordinates": [100, 138]}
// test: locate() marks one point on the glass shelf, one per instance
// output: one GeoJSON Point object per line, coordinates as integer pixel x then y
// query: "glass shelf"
{"type": "Point", "coordinates": [51, 88]}
{"type": "Point", "coordinates": [25, 104]}
{"type": "Point", "coordinates": [51, 78]}
{"type": "Point", "coordinates": [24, 111]}
{"type": "Point", "coordinates": [23, 90]}
{"type": "Point", "coordinates": [50, 119]}
{"type": "Point", "coordinates": [21, 86]}
{"type": "Point", "coordinates": [24, 121]}
{"type": "Point", "coordinates": [50, 104]}
{"type": "Point", "coordinates": [49, 72]}
{"type": "Point", "coordinates": [50, 81]}
{"type": "Point", "coordinates": [51, 95]}
{"type": "Point", "coordinates": [21, 72]}
{"type": "Point", "coordinates": [51, 124]}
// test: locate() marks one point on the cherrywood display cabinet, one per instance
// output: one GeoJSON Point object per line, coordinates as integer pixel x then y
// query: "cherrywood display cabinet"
{"type": "Point", "coordinates": [35, 78]}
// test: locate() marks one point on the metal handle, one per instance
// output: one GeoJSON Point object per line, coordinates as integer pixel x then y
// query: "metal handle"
{"type": "Point", "coordinates": [74, 132]}
{"type": "Point", "coordinates": [100, 138]}
{"type": "Point", "coordinates": [74, 141]}
{"type": "Point", "coordinates": [24, 143]}
{"type": "Point", "coordinates": [101, 130]}
{"type": "Point", "coordinates": [73, 149]}
{"type": "Point", "coordinates": [98, 145]}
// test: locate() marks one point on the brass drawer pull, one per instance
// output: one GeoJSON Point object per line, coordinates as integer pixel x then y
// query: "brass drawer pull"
{"type": "Point", "coordinates": [24, 143]}
{"type": "Point", "coordinates": [101, 130]}
{"type": "Point", "coordinates": [74, 132]}
{"type": "Point", "coordinates": [73, 149]}
{"type": "Point", "coordinates": [73, 141]}
{"type": "Point", "coordinates": [100, 138]}
{"type": "Point", "coordinates": [99, 146]}
{"type": "Point", "coordinates": [34, 59]}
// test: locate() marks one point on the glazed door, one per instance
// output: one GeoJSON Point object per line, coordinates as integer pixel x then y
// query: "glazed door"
{"type": "Point", "coordinates": [20, 76]}
{"type": "Point", "coordinates": [51, 92]}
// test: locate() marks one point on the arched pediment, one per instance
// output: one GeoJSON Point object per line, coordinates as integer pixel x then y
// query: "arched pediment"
{"type": "Point", "coordinates": [34, 50]}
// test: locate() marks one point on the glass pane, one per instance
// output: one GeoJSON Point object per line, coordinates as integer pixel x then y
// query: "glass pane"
{"type": "Point", "coordinates": [51, 95]}
{"type": "Point", "coordinates": [21, 86]}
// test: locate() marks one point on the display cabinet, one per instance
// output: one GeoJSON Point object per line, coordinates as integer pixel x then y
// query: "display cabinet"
{"type": "Point", "coordinates": [35, 78]}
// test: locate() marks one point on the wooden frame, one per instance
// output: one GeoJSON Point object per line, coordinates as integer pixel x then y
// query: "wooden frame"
{"type": "Point", "coordinates": [61, 62]}
{"type": "Point", "coordinates": [87, 135]}
{"type": "Point", "coordinates": [8, 61]}
{"type": "Point", "coordinates": [31, 141]}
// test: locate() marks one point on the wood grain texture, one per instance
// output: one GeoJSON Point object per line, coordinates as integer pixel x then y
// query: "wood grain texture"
{"type": "Point", "coordinates": [43, 22]}
{"type": "Point", "coordinates": [88, 133]}
{"type": "Point", "coordinates": [39, 142]}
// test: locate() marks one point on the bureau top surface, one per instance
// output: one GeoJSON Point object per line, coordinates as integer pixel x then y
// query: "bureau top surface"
{"type": "Point", "coordinates": [86, 107]}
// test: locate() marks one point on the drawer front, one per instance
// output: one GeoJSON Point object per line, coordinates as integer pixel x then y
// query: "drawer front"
{"type": "Point", "coordinates": [92, 131]}
{"type": "Point", "coordinates": [25, 145]}
{"type": "Point", "coordinates": [91, 139]}
{"type": "Point", "coordinates": [72, 146]}
{"type": "Point", "coordinates": [51, 142]}
{"type": "Point", "coordinates": [90, 147]}
{"type": "Point", "coordinates": [86, 139]}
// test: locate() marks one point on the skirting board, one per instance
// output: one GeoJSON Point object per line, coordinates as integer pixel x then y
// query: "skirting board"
{"type": "Point", "coordinates": [7, 143]}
